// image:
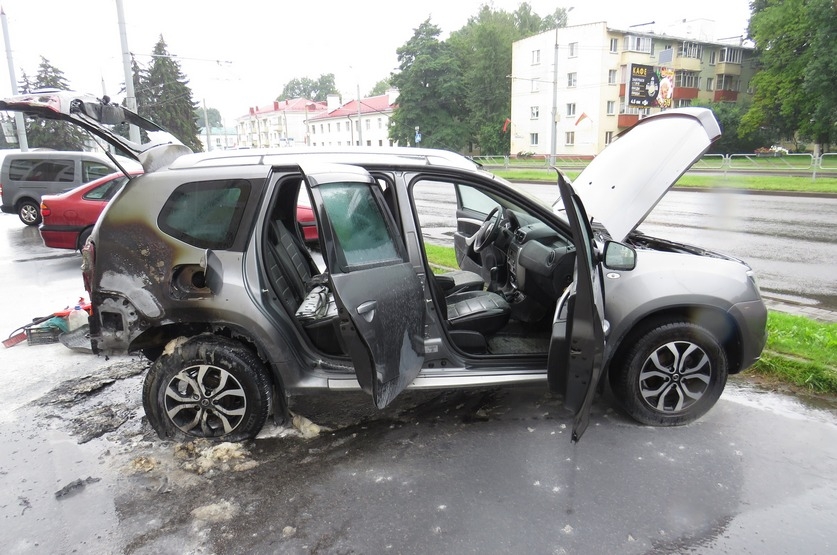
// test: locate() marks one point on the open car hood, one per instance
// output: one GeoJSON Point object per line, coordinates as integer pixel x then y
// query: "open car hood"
{"type": "Point", "coordinates": [157, 149]}
{"type": "Point", "coordinates": [625, 182]}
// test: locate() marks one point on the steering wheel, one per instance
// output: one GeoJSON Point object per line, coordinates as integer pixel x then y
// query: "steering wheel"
{"type": "Point", "coordinates": [488, 231]}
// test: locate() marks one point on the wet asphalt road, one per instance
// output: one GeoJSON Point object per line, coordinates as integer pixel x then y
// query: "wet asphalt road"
{"type": "Point", "coordinates": [485, 471]}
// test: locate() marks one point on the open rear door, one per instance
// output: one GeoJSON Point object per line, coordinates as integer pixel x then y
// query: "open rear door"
{"type": "Point", "coordinates": [578, 336]}
{"type": "Point", "coordinates": [378, 293]}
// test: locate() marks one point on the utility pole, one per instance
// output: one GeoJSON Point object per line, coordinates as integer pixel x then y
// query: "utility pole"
{"type": "Point", "coordinates": [19, 123]}
{"type": "Point", "coordinates": [553, 146]}
{"type": "Point", "coordinates": [206, 130]}
{"type": "Point", "coordinates": [359, 126]}
{"type": "Point", "coordinates": [131, 96]}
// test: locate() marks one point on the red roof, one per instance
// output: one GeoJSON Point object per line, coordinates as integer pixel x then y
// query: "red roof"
{"type": "Point", "coordinates": [370, 105]}
{"type": "Point", "coordinates": [290, 105]}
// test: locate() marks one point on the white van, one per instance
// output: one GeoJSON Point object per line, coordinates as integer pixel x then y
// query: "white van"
{"type": "Point", "coordinates": [26, 176]}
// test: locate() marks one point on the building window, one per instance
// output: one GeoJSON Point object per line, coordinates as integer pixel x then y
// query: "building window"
{"type": "Point", "coordinates": [730, 55]}
{"type": "Point", "coordinates": [614, 46]}
{"type": "Point", "coordinates": [690, 50]}
{"type": "Point", "coordinates": [573, 49]}
{"type": "Point", "coordinates": [727, 83]}
{"type": "Point", "coordinates": [380, 125]}
{"type": "Point", "coordinates": [683, 103]}
{"type": "Point", "coordinates": [608, 137]}
{"type": "Point", "coordinates": [712, 55]}
{"type": "Point", "coordinates": [322, 128]}
{"type": "Point", "coordinates": [368, 126]}
{"type": "Point", "coordinates": [611, 107]}
{"type": "Point", "coordinates": [634, 43]}
{"type": "Point", "coordinates": [313, 129]}
{"type": "Point", "coordinates": [535, 86]}
{"type": "Point", "coordinates": [534, 112]}
{"type": "Point", "coordinates": [380, 142]}
{"type": "Point", "coordinates": [611, 77]}
{"type": "Point", "coordinates": [572, 79]}
{"type": "Point", "coordinates": [570, 109]}
{"type": "Point", "coordinates": [338, 127]}
{"type": "Point", "coordinates": [709, 82]}
{"type": "Point", "coordinates": [569, 138]}
{"type": "Point", "coordinates": [687, 79]}
{"type": "Point", "coordinates": [533, 139]}
{"type": "Point", "coordinates": [536, 57]}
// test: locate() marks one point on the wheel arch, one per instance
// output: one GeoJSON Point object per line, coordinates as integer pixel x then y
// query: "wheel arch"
{"type": "Point", "coordinates": [156, 339]}
{"type": "Point", "coordinates": [718, 322]}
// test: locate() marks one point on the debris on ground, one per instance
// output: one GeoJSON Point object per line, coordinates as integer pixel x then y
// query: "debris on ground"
{"type": "Point", "coordinates": [74, 487]}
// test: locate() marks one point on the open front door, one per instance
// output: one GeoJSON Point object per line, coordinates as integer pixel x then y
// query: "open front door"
{"type": "Point", "coordinates": [578, 338]}
{"type": "Point", "coordinates": [378, 294]}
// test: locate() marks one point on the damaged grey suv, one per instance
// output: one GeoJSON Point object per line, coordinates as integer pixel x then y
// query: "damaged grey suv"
{"type": "Point", "coordinates": [199, 264]}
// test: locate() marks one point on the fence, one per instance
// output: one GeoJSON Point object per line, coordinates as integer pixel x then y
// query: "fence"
{"type": "Point", "coordinates": [783, 163]}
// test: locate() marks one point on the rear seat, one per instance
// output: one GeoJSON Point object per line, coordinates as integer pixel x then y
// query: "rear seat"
{"type": "Point", "coordinates": [291, 271]}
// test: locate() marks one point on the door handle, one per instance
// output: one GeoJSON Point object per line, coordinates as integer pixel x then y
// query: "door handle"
{"type": "Point", "coordinates": [367, 310]}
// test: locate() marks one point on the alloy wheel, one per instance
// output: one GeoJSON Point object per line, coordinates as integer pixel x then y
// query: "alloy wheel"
{"type": "Point", "coordinates": [675, 376]}
{"type": "Point", "coordinates": [205, 401]}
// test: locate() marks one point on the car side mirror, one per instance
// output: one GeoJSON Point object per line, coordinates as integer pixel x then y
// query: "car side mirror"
{"type": "Point", "coordinates": [619, 257]}
{"type": "Point", "coordinates": [213, 271]}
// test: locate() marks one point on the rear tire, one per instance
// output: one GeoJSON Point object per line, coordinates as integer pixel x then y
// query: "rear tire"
{"type": "Point", "coordinates": [82, 238]}
{"type": "Point", "coordinates": [673, 375]}
{"type": "Point", "coordinates": [208, 387]}
{"type": "Point", "coordinates": [29, 212]}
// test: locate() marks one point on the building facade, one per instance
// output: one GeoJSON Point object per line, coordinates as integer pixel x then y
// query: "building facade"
{"type": "Point", "coordinates": [356, 123]}
{"type": "Point", "coordinates": [594, 81]}
{"type": "Point", "coordinates": [218, 138]}
{"type": "Point", "coordinates": [280, 124]}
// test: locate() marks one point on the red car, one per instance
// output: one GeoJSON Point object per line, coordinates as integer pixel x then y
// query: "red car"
{"type": "Point", "coordinates": [69, 218]}
{"type": "Point", "coordinates": [305, 219]}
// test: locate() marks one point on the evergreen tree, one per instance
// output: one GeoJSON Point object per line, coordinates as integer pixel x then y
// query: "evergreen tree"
{"type": "Point", "coordinates": [167, 98]}
{"type": "Point", "coordinates": [57, 135]}
{"type": "Point", "coordinates": [431, 95]}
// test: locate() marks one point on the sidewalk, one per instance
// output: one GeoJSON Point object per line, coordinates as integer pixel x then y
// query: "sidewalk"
{"type": "Point", "coordinates": [812, 312]}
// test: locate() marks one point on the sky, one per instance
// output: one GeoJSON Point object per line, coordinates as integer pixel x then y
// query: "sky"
{"type": "Point", "coordinates": [240, 54]}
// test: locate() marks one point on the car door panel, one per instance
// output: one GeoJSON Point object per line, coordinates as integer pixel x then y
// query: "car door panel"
{"type": "Point", "coordinates": [379, 296]}
{"type": "Point", "coordinates": [578, 337]}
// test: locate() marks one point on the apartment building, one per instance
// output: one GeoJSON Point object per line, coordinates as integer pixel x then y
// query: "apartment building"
{"type": "Point", "coordinates": [280, 124]}
{"type": "Point", "coordinates": [593, 81]}
{"type": "Point", "coordinates": [355, 123]}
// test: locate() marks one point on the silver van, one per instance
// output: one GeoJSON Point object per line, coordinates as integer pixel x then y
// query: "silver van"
{"type": "Point", "coordinates": [26, 176]}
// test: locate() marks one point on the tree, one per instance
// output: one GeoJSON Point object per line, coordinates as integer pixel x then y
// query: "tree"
{"type": "Point", "coordinates": [213, 114]}
{"type": "Point", "coordinates": [794, 90]}
{"type": "Point", "coordinates": [431, 95]}
{"type": "Point", "coordinates": [46, 133]}
{"type": "Point", "coordinates": [316, 90]}
{"type": "Point", "coordinates": [381, 87]}
{"type": "Point", "coordinates": [733, 140]}
{"type": "Point", "coordinates": [170, 103]}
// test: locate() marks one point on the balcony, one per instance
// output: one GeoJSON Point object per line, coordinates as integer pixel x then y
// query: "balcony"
{"type": "Point", "coordinates": [627, 120]}
{"type": "Point", "coordinates": [683, 63]}
{"type": "Point", "coordinates": [685, 92]}
{"type": "Point", "coordinates": [728, 68]}
{"type": "Point", "coordinates": [725, 96]}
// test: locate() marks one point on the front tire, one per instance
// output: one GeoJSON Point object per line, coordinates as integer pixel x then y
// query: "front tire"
{"type": "Point", "coordinates": [29, 212]}
{"type": "Point", "coordinates": [208, 387]}
{"type": "Point", "coordinates": [672, 376]}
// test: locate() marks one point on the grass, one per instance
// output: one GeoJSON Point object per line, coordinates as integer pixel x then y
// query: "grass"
{"type": "Point", "coordinates": [800, 352]}
{"type": "Point", "coordinates": [729, 181]}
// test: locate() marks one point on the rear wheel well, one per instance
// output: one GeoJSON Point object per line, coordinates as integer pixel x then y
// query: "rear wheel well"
{"type": "Point", "coordinates": [717, 322]}
{"type": "Point", "coordinates": [152, 343]}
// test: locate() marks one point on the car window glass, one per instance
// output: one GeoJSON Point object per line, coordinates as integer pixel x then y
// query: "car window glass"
{"type": "Point", "coordinates": [359, 224]}
{"type": "Point", "coordinates": [93, 170]}
{"type": "Point", "coordinates": [476, 200]}
{"type": "Point", "coordinates": [205, 214]}
{"type": "Point", "coordinates": [61, 171]}
{"type": "Point", "coordinates": [106, 190]}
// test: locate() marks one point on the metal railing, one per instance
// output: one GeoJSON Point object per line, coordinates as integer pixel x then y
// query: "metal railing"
{"type": "Point", "coordinates": [784, 163]}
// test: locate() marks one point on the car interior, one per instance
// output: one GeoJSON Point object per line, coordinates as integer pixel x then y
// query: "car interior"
{"type": "Point", "coordinates": [528, 265]}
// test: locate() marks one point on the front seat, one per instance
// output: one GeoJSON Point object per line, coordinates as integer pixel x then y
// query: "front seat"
{"type": "Point", "coordinates": [483, 312]}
